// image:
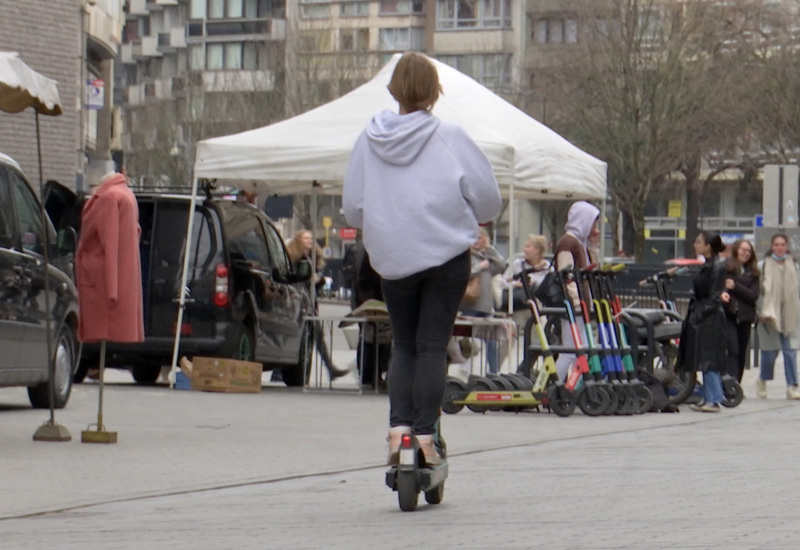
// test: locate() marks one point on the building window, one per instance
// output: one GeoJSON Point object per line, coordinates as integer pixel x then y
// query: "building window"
{"type": "Point", "coordinates": [315, 41]}
{"type": "Point", "coordinates": [354, 9]}
{"type": "Point", "coordinates": [197, 10]}
{"type": "Point", "coordinates": [492, 70]}
{"type": "Point", "coordinates": [223, 56]}
{"type": "Point", "coordinates": [401, 39]}
{"type": "Point", "coordinates": [555, 30]}
{"type": "Point", "coordinates": [197, 57]}
{"type": "Point", "coordinates": [315, 9]}
{"type": "Point", "coordinates": [473, 14]}
{"type": "Point", "coordinates": [354, 40]}
{"type": "Point", "coordinates": [401, 7]}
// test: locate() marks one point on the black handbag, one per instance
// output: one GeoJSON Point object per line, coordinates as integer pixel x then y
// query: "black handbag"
{"type": "Point", "coordinates": [550, 292]}
{"type": "Point", "coordinates": [519, 301]}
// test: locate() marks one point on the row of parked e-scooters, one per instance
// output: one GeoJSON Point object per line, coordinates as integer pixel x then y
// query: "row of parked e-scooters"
{"type": "Point", "coordinates": [625, 357]}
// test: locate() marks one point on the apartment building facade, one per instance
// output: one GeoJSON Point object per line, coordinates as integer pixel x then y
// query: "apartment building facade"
{"type": "Point", "coordinates": [71, 42]}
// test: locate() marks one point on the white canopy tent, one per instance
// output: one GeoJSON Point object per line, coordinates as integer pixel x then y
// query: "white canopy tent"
{"type": "Point", "coordinates": [286, 157]}
{"type": "Point", "coordinates": [308, 154]}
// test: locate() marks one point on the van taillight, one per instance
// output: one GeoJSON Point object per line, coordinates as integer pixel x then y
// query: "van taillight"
{"type": "Point", "coordinates": [221, 297]}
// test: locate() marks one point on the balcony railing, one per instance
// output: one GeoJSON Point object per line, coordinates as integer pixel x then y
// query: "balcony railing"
{"type": "Point", "coordinates": [264, 28]}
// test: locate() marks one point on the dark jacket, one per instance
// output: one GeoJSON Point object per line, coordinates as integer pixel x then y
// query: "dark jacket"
{"type": "Point", "coordinates": [744, 294]}
{"type": "Point", "coordinates": [360, 277]}
{"type": "Point", "coordinates": [703, 345]}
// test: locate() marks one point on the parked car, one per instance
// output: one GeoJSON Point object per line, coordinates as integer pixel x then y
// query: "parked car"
{"type": "Point", "coordinates": [245, 301]}
{"type": "Point", "coordinates": [23, 321]}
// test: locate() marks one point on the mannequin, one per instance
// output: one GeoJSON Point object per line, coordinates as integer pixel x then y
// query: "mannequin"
{"type": "Point", "coordinates": [109, 276]}
{"type": "Point", "coordinates": [108, 268]}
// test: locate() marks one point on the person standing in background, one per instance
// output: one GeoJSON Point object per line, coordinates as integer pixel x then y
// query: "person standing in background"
{"type": "Point", "coordinates": [573, 251]}
{"type": "Point", "coordinates": [485, 263]}
{"type": "Point", "coordinates": [778, 316]}
{"type": "Point", "coordinates": [742, 283]}
{"type": "Point", "coordinates": [703, 344]}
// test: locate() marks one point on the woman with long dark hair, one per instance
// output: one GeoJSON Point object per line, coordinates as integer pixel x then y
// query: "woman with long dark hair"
{"type": "Point", "coordinates": [703, 343]}
{"type": "Point", "coordinates": [742, 283]}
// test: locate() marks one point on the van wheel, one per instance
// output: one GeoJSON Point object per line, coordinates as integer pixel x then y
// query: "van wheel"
{"type": "Point", "coordinates": [63, 371]}
{"type": "Point", "coordinates": [245, 344]}
{"type": "Point", "coordinates": [297, 375]}
{"type": "Point", "coordinates": [146, 374]}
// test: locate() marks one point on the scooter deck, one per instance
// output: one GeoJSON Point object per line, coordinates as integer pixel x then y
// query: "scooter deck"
{"type": "Point", "coordinates": [492, 398]}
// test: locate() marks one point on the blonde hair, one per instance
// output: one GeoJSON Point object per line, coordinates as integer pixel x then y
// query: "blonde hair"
{"type": "Point", "coordinates": [415, 83]}
{"type": "Point", "coordinates": [539, 241]}
{"type": "Point", "coordinates": [295, 251]}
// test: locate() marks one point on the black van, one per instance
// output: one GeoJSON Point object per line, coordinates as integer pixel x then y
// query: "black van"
{"type": "Point", "coordinates": [244, 302]}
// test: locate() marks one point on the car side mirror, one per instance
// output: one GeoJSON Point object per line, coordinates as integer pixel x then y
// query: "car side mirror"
{"type": "Point", "coordinates": [66, 241]}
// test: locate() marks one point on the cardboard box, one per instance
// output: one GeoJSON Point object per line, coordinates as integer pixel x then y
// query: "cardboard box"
{"type": "Point", "coordinates": [226, 375]}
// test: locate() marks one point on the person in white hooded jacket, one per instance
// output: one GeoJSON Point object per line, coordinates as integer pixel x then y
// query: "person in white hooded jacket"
{"type": "Point", "coordinates": [573, 250]}
{"type": "Point", "coordinates": [418, 187]}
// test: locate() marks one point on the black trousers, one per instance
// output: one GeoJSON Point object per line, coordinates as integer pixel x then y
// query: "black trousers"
{"type": "Point", "coordinates": [422, 311]}
{"type": "Point", "coordinates": [738, 337]}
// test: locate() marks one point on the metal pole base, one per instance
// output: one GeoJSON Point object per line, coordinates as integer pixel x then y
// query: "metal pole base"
{"type": "Point", "coordinates": [98, 436]}
{"type": "Point", "coordinates": [50, 431]}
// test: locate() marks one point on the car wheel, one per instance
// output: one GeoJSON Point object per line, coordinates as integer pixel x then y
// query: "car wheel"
{"type": "Point", "coordinates": [296, 375]}
{"type": "Point", "coordinates": [146, 374]}
{"type": "Point", "coordinates": [245, 349]}
{"type": "Point", "coordinates": [63, 371]}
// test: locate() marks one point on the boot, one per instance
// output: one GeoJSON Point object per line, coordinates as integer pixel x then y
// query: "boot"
{"type": "Point", "coordinates": [761, 388]}
{"type": "Point", "coordinates": [428, 447]}
{"type": "Point", "coordinates": [395, 436]}
{"type": "Point", "coordinates": [335, 372]}
{"type": "Point", "coordinates": [792, 393]}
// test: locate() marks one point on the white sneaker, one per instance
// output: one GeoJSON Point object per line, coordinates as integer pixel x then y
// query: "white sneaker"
{"type": "Point", "coordinates": [792, 392]}
{"type": "Point", "coordinates": [761, 388]}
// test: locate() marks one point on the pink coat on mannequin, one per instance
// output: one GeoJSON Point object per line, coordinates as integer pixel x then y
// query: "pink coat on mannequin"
{"type": "Point", "coordinates": [108, 268]}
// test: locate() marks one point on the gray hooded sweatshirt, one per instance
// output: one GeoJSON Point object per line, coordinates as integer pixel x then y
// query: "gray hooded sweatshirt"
{"type": "Point", "coordinates": [418, 187]}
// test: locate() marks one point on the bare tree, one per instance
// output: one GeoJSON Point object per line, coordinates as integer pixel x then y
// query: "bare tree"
{"type": "Point", "coordinates": [648, 92]}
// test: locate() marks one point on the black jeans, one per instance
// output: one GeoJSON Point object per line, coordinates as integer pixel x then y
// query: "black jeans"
{"type": "Point", "coordinates": [422, 310]}
{"type": "Point", "coordinates": [738, 337]}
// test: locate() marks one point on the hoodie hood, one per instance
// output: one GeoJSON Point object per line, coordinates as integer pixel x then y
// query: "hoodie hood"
{"type": "Point", "coordinates": [398, 139]}
{"type": "Point", "coordinates": [580, 219]}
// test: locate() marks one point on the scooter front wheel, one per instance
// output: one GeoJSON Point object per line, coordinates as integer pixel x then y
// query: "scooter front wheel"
{"type": "Point", "coordinates": [407, 491]}
{"type": "Point", "coordinates": [435, 495]}
{"type": "Point", "coordinates": [562, 401]}
{"type": "Point", "coordinates": [732, 392]}
{"type": "Point", "coordinates": [454, 389]}
{"type": "Point", "coordinates": [593, 403]}
{"type": "Point", "coordinates": [644, 398]}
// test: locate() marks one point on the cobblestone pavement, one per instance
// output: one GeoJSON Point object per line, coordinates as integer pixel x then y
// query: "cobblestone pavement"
{"type": "Point", "coordinates": [288, 469]}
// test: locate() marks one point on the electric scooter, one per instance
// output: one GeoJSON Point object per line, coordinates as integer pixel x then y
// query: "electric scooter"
{"type": "Point", "coordinates": [546, 390]}
{"type": "Point", "coordinates": [642, 398]}
{"type": "Point", "coordinates": [412, 475]}
{"type": "Point", "coordinates": [593, 399]}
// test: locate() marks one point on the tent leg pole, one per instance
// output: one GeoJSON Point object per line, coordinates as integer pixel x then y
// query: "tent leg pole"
{"type": "Point", "coordinates": [511, 242]}
{"type": "Point", "coordinates": [184, 280]}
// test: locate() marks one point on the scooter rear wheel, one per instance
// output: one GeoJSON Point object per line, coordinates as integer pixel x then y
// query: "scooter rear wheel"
{"type": "Point", "coordinates": [407, 491]}
{"type": "Point", "coordinates": [480, 383]}
{"type": "Point", "coordinates": [435, 495]}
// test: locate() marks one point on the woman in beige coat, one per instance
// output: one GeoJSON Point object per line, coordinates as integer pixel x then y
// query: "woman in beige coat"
{"type": "Point", "coordinates": [778, 316]}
